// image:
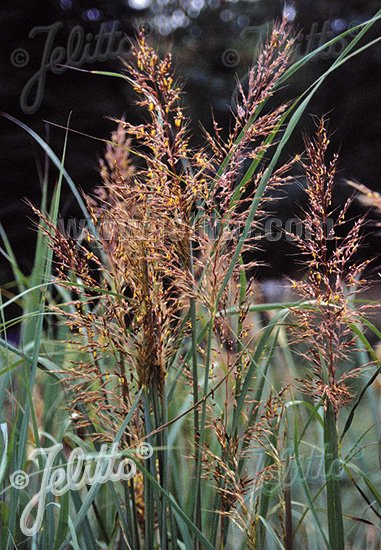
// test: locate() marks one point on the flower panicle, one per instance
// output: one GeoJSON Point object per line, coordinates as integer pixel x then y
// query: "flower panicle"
{"type": "Point", "coordinates": [168, 218]}
{"type": "Point", "coordinates": [333, 277]}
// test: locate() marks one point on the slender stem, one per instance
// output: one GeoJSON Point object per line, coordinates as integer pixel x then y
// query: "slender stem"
{"type": "Point", "coordinates": [202, 425]}
{"type": "Point", "coordinates": [289, 542]}
{"type": "Point", "coordinates": [148, 489]}
{"type": "Point", "coordinates": [161, 454]}
{"type": "Point", "coordinates": [196, 497]}
{"type": "Point", "coordinates": [331, 462]}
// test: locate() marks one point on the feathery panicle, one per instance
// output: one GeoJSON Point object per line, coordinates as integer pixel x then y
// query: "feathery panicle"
{"type": "Point", "coordinates": [333, 277]}
{"type": "Point", "coordinates": [163, 206]}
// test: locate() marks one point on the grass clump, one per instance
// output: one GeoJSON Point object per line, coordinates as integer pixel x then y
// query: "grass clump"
{"type": "Point", "coordinates": [152, 330]}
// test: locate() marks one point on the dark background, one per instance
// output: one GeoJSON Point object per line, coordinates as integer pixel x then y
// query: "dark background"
{"type": "Point", "coordinates": [212, 41]}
